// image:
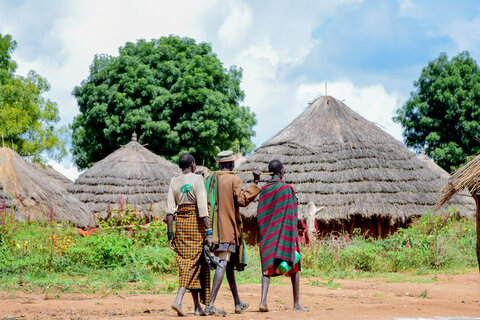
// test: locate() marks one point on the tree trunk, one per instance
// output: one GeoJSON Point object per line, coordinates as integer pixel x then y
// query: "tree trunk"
{"type": "Point", "coordinates": [477, 214]}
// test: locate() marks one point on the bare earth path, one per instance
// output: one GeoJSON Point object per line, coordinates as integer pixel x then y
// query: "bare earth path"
{"type": "Point", "coordinates": [451, 296]}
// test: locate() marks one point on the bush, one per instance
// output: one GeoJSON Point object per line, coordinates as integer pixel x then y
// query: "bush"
{"type": "Point", "coordinates": [430, 242]}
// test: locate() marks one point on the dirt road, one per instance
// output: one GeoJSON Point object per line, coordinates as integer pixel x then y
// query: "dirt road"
{"type": "Point", "coordinates": [449, 296]}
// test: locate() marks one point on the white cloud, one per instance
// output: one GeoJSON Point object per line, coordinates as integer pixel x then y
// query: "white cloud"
{"type": "Point", "coordinates": [463, 32]}
{"type": "Point", "coordinates": [67, 169]}
{"type": "Point", "coordinates": [373, 103]}
{"type": "Point", "coordinates": [236, 26]}
{"type": "Point", "coordinates": [408, 9]}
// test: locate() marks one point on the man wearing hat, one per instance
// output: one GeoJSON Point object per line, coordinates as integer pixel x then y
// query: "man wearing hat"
{"type": "Point", "coordinates": [226, 195]}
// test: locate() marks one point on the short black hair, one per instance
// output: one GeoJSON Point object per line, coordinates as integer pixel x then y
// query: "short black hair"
{"type": "Point", "coordinates": [185, 160]}
{"type": "Point", "coordinates": [275, 166]}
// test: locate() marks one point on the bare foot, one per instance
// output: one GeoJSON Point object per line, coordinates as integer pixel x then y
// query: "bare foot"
{"type": "Point", "coordinates": [179, 310]}
{"type": "Point", "coordinates": [263, 308]}
{"type": "Point", "coordinates": [298, 307]}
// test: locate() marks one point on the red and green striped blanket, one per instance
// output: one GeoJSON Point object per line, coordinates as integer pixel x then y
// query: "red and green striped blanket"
{"type": "Point", "coordinates": [277, 217]}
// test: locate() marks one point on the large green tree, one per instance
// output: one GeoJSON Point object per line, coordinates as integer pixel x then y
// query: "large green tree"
{"type": "Point", "coordinates": [27, 119]}
{"type": "Point", "coordinates": [174, 93]}
{"type": "Point", "coordinates": [442, 114]}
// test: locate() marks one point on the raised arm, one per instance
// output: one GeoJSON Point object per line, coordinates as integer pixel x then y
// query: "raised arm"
{"type": "Point", "coordinates": [245, 197]}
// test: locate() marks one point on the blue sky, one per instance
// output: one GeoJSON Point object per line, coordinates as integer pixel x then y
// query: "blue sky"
{"type": "Point", "coordinates": [368, 51]}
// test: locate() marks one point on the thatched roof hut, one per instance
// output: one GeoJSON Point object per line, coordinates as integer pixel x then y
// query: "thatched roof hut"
{"type": "Point", "coordinates": [35, 193]}
{"type": "Point", "coordinates": [343, 166]}
{"type": "Point", "coordinates": [132, 172]}
{"type": "Point", "coordinates": [466, 178]}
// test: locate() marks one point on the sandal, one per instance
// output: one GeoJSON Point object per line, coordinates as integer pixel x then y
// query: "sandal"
{"type": "Point", "coordinates": [212, 310]}
{"type": "Point", "coordinates": [240, 308]}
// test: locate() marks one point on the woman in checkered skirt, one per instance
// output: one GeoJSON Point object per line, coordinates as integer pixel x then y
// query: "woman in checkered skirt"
{"type": "Point", "coordinates": [187, 199]}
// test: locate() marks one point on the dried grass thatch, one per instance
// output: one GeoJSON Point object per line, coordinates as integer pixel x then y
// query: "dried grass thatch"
{"type": "Point", "coordinates": [466, 178]}
{"type": "Point", "coordinates": [133, 173]}
{"type": "Point", "coordinates": [51, 172]}
{"type": "Point", "coordinates": [6, 201]}
{"type": "Point", "coordinates": [35, 193]}
{"type": "Point", "coordinates": [342, 165]}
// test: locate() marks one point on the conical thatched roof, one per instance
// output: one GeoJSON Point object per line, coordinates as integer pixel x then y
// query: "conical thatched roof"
{"type": "Point", "coordinates": [346, 165]}
{"type": "Point", "coordinates": [466, 178]}
{"type": "Point", "coordinates": [51, 172]}
{"type": "Point", "coordinates": [35, 193]}
{"type": "Point", "coordinates": [132, 172]}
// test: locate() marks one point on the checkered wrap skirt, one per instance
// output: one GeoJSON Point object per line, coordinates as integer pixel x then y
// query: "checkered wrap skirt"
{"type": "Point", "coordinates": [194, 272]}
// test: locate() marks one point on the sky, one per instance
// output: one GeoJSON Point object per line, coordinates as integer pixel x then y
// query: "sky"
{"type": "Point", "coordinates": [369, 52]}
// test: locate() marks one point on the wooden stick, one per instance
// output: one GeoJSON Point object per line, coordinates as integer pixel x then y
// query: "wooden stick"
{"type": "Point", "coordinates": [245, 172]}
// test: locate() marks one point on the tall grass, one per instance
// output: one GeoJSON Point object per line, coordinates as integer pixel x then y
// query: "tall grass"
{"type": "Point", "coordinates": [431, 243]}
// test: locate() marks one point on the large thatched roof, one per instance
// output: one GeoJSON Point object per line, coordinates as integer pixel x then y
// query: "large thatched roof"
{"type": "Point", "coordinates": [132, 172]}
{"type": "Point", "coordinates": [466, 178]}
{"type": "Point", "coordinates": [346, 165]}
{"type": "Point", "coordinates": [51, 172]}
{"type": "Point", "coordinates": [34, 192]}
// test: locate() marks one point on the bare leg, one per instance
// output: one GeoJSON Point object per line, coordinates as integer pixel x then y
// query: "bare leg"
{"type": "Point", "coordinates": [240, 306]}
{"type": "Point", "coordinates": [217, 282]}
{"type": "Point", "coordinates": [263, 302]}
{"type": "Point", "coordinates": [177, 304]}
{"type": "Point", "coordinates": [233, 284]}
{"type": "Point", "coordinates": [296, 292]}
{"type": "Point", "coordinates": [198, 308]}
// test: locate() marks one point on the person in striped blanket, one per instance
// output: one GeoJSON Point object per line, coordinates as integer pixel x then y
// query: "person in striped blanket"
{"type": "Point", "coordinates": [277, 218]}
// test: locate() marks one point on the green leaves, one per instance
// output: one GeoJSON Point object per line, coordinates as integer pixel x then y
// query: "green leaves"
{"type": "Point", "coordinates": [443, 112]}
{"type": "Point", "coordinates": [27, 119]}
{"type": "Point", "coordinates": [174, 93]}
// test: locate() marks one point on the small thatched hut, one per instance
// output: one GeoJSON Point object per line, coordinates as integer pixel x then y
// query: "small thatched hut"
{"type": "Point", "coordinates": [35, 193]}
{"type": "Point", "coordinates": [348, 173]}
{"type": "Point", "coordinates": [466, 178]}
{"type": "Point", "coordinates": [133, 173]}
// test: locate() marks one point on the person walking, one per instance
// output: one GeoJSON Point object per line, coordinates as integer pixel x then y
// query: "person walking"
{"type": "Point", "coordinates": [226, 196]}
{"type": "Point", "coordinates": [187, 201]}
{"type": "Point", "coordinates": [277, 219]}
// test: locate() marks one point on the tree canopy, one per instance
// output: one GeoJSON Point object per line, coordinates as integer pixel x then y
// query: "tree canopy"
{"type": "Point", "coordinates": [442, 114]}
{"type": "Point", "coordinates": [174, 93]}
{"type": "Point", "coordinates": [27, 119]}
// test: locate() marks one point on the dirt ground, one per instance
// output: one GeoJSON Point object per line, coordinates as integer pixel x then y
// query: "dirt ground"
{"type": "Point", "coordinates": [450, 297]}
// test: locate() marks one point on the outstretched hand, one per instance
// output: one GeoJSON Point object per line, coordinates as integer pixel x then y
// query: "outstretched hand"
{"type": "Point", "coordinates": [256, 175]}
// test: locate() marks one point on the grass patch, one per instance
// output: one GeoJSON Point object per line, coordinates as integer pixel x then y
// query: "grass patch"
{"type": "Point", "coordinates": [126, 253]}
{"type": "Point", "coordinates": [326, 284]}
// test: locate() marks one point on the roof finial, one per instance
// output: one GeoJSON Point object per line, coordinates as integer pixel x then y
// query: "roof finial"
{"type": "Point", "coordinates": [134, 136]}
